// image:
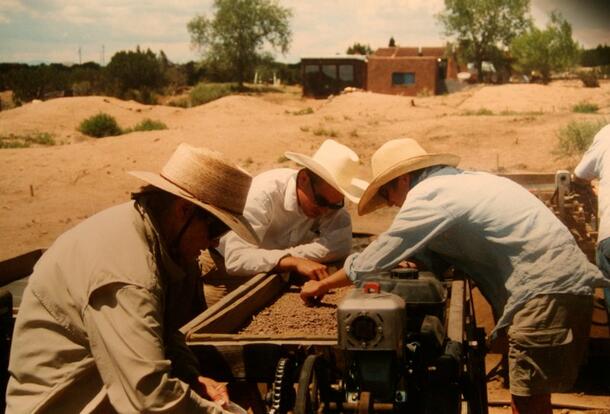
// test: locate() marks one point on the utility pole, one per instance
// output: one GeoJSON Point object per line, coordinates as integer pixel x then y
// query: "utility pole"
{"type": "Point", "coordinates": [103, 55]}
{"type": "Point", "coordinates": [80, 57]}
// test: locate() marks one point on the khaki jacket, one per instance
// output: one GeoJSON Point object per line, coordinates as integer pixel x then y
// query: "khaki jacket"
{"type": "Point", "coordinates": [96, 331]}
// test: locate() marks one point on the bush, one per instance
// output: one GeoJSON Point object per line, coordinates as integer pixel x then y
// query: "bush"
{"type": "Point", "coordinates": [480, 111]}
{"type": "Point", "coordinates": [585, 108]}
{"type": "Point", "coordinates": [179, 102]}
{"type": "Point", "coordinates": [589, 79]}
{"type": "Point", "coordinates": [25, 141]}
{"type": "Point", "coordinates": [149, 125]}
{"type": "Point", "coordinates": [100, 125]}
{"type": "Point", "coordinates": [576, 137]}
{"type": "Point", "coordinates": [207, 92]}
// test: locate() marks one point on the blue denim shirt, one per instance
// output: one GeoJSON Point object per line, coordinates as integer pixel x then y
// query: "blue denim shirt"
{"type": "Point", "coordinates": [491, 228]}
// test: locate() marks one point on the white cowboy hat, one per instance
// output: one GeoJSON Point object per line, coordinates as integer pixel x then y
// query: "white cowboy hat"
{"type": "Point", "coordinates": [337, 165]}
{"type": "Point", "coordinates": [393, 159]}
{"type": "Point", "coordinates": [207, 180]}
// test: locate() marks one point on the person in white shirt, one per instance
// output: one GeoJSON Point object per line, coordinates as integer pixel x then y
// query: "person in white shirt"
{"type": "Point", "coordinates": [523, 259]}
{"type": "Point", "coordinates": [299, 217]}
{"type": "Point", "coordinates": [595, 163]}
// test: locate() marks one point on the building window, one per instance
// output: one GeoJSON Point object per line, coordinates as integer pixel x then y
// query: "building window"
{"type": "Point", "coordinates": [312, 68]}
{"type": "Point", "coordinates": [403, 78]}
{"type": "Point", "coordinates": [330, 71]}
{"type": "Point", "coordinates": [346, 73]}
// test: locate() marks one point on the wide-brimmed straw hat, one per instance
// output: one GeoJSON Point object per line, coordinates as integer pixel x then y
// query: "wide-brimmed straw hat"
{"type": "Point", "coordinates": [393, 159]}
{"type": "Point", "coordinates": [206, 179]}
{"type": "Point", "coordinates": [337, 165]}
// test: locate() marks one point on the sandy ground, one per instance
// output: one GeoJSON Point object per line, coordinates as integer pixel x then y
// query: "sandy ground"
{"type": "Point", "coordinates": [46, 190]}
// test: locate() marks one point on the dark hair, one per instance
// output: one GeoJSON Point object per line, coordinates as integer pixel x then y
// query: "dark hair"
{"type": "Point", "coordinates": [156, 200]}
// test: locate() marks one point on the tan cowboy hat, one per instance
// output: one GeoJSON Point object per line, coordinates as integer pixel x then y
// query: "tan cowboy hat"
{"type": "Point", "coordinates": [337, 165]}
{"type": "Point", "coordinates": [207, 180]}
{"type": "Point", "coordinates": [393, 159]}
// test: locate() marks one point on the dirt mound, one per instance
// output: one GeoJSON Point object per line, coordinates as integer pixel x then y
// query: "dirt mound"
{"type": "Point", "coordinates": [555, 97]}
{"type": "Point", "coordinates": [48, 189]}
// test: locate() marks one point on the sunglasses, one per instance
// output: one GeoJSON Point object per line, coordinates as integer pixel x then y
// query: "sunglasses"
{"type": "Point", "coordinates": [320, 200]}
{"type": "Point", "coordinates": [384, 191]}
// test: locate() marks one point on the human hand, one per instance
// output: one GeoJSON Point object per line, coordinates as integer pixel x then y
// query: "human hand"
{"type": "Point", "coordinates": [305, 267]}
{"type": "Point", "coordinates": [215, 390]}
{"type": "Point", "coordinates": [312, 290]}
{"type": "Point", "coordinates": [406, 264]}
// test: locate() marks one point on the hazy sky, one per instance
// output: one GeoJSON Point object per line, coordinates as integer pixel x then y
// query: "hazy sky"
{"type": "Point", "coordinates": [54, 30]}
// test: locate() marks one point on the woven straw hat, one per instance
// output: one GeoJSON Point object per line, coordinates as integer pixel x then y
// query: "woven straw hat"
{"type": "Point", "coordinates": [393, 159]}
{"type": "Point", "coordinates": [207, 180]}
{"type": "Point", "coordinates": [337, 165]}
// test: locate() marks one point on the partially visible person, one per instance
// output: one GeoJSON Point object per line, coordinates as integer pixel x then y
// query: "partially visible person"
{"type": "Point", "coordinates": [595, 163]}
{"type": "Point", "coordinates": [97, 329]}
{"type": "Point", "coordinates": [299, 217]}
{"type": "Point", "coordinates": [523, 259]}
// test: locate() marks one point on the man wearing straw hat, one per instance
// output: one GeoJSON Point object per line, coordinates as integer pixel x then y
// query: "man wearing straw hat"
{"type": "Point", "coordinates": [299, 216]}
{"type": "Point", "coordinates": [522, 258]}
{"type": "Point", "coordinates": [98, 325]}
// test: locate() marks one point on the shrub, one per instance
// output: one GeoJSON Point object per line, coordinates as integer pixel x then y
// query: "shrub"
{"type": "Point", "coordinates": [305, 111]}
{"type": "Point", "coordinates": [25, 141]}
{"type": "Point", "coordinates": [100, 125]}
{"type": "Point", "coordinates": [480, 111]}
{"type": "Point", "coordinates": [325, 132]}
{"type": "Point", "coordinates": [576, 137]}
{"type": "Point", "coordinates": [589, 79]}
{"type": "Point", "coordinates": [585, 108]}
{"type": "Point", "coordinates": [149, 125]}
{"type": "Point", "coordinates": [207, 92]}
{"type": "Point", "coordinates": [179, 102]}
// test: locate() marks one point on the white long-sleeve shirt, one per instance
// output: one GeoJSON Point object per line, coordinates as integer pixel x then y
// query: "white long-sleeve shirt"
{"type": "Point", "coordinates": [595, 163]}
{"type": "Point", "coordinates": [507, 240]}
{"type": "Point", "coordinates": [94, 325]}
{"type": "Point", "coordinates": [276, 217]}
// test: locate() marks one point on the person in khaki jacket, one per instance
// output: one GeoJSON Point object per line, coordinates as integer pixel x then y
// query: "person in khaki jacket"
{"type": "Point", "coordinates": [97, 330]}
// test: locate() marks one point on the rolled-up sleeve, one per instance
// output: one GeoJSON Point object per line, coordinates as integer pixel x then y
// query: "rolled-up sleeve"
{"type": "Point", "coordinates": [125, 331]}
{"type": "Point", "coordinates": [418, 222]}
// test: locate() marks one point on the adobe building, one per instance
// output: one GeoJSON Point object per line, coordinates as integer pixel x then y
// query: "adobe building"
{"type": "Point", "coordinates": [322, 77]}
{"type": "Point", "coordinates": [391, 70]}
{"type": "Point", "coordinates": [409, 70]}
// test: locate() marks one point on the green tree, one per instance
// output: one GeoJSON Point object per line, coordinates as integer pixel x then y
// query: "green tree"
{"type": "Point", "coordinates": [235, 37]}
{"type": "Point", "coordinates": [482, 27]}
{"type": "Point", "coordinates": [139, 70]}
{"type": "Point", "coordinates": [359, 49]}
{"type": "Point", "coordinates": [545, 51]}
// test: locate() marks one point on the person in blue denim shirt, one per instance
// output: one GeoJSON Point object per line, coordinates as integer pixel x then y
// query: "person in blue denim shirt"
{"type": "Point", "coordinates": [523, 259]}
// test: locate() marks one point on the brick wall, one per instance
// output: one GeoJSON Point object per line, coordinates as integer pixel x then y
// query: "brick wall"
{"type": "Point", "coordinates": [380, 69]}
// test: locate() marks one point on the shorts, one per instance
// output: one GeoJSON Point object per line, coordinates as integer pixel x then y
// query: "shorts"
{"type": "Point", "coordinates": [547, 342]}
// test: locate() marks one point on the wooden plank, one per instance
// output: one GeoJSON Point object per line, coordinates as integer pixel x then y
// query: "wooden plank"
{"type": "Point", "coordinates": [239, 339]}
{"type": "Point", "coordinates": [222, 304]}
{"type": "Point", "coordinates": [18, 267]}
{"type": "Point", "coordinates": [455, 328]}
{"type": "Point", "coordinates": [236, 312]}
